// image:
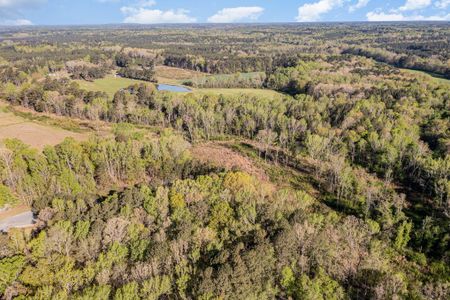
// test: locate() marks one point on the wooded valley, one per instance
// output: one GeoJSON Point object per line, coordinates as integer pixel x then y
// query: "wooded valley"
{"type": "Point", "coordinates": [303, 161]}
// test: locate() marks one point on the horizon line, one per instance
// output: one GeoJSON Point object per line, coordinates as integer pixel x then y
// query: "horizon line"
{"type": "Point", "coordinates": [222, 24]}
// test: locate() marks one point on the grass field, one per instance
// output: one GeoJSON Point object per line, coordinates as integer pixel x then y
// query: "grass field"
{"type": "Point", "coordinates": [109, 84]}
{"type": "Point", "coordinates": [33, 133]}
{"type": "Point", "coordinates": [174, 76]}
{"type": "Point", "coordinates": [434, 78]}
{"type": "Point", "coordinates": [177, 73]}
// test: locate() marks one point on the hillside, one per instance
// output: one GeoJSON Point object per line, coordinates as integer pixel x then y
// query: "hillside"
{"type": "Point", "coordinates": [303, 162]}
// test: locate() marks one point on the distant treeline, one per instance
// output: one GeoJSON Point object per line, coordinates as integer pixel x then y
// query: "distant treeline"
{"type": "Point", "coordinates": [146, 74]}
{"type": "Point", "coordinates": [238, 80]}
{"type": "Point", "coordinates": [228, 66]}
{"type": "Point", "coordinates": [413, 62]}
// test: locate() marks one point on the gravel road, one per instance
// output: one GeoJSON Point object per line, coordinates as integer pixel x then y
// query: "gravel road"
{"type": "Point", "coordinates": [18, 221]}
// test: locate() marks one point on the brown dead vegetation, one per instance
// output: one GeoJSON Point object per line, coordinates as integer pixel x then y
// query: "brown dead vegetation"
{"type": "Point", "coordinates": [177, 73]}
{"type": "Point", "coordinates": [221, 156]}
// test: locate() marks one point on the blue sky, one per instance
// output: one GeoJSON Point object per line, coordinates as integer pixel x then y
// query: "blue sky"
{"type": "Point", "coordinates": [63, 12]}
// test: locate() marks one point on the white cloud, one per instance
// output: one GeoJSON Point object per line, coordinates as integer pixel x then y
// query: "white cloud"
{"type": "Point", "coordinates": [156, 16]}
{"type": "Point", "coordinates": [415, 4]}
{"type": "Point", "coordinates": [358, 5]}
{"type": "Point", "coordinates": [11, 11]}
{"type": "Point", "coordinates": [443, 4]}
{"type": "Point", "coordinates": [18, 22]}
{"type": "Point", "coordinates": [234, 14]}
{"type": "Point", "coordinates": [146, 3]}
{"type": "Point", "coordinates": [20, 3]}
{"type": "Point", "coordinates": [140, 13]}
{"type": "Point", "coordinates": [410, 5]}
{"type": "Point", "coordinates": [310, 12]}
{"type": "Point", "coordinates": [383, 17]}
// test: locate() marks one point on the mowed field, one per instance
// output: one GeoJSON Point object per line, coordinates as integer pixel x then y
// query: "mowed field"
{"type": "Point", "coordinates": [177, 76]}
{"type": "Point", "coordinates": [33, 133]}
{"type": "Point", "coordinates": [173, 76]}
{"type": "Point", "coordinates": [425, 74]}
{"type": "Point", "coordinates": [110, 84]}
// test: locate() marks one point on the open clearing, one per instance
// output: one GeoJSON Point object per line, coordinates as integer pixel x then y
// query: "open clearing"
{"type": "Point", "coordinates": [110, 84]}
{"type": "Point", "coordinates": [176, 76]}
{"type": "Point", "coordinates": [172, 73]}
{"type": "Point", "coordinates": [425, 74]}
{"type": "Point", "coordinates": [173, 76]}
{"type": "Point", "coordinates": [33, 133]}
{"type": "Point", "coordinates": [220, 156]}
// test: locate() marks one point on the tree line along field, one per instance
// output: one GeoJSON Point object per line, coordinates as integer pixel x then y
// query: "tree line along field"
{"type": "Point", "coordinates": [110, 84]}
{"type": "Point", "coordinates": [438, 78]}
{"type": "Point", "coordinates": [306, 161]}
{"type": "Point", "coordinates": [36, 134]}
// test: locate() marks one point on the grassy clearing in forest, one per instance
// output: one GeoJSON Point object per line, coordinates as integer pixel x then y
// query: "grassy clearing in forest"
{"type": "Point", "coordinates": [176, 76]}
{"type": "Point", "coordinates": [110, 84]}
{"type": "Point", "coordinates": [32, 132]}
{"type": "Point", "coordinates": [173, 76]}
{"type": "Point", "coordinates": [429, 76]}
{"type": "Point", "coordinates": [177, 73]}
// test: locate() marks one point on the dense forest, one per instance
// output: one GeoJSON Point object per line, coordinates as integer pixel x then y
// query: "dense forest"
{"type": "Point", "coordinates": [349, 123]}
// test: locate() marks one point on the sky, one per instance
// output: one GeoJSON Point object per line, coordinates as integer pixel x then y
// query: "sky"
{"type": "Point", "coordinates": [79, 12]}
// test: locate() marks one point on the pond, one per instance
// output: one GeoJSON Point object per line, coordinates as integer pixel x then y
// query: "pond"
{"type": "Point", "coordinates": [173, 88]}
